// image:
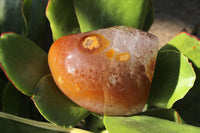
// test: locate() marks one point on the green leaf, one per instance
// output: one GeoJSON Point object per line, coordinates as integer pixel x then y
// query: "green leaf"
{"type": "Point", "coordinates": [189, 107]}
{"type": "Point", "coordinates": [62, 18]}
{"type": "Point", "coordinates": [94, 123]}
{"type": "Point", "coordinates": [16, 103]}
{"type": "Point", "coordinates": [168, 114]}
{"type": "Point", "coordinates": [55, 106]}
{"type": "Point", "coordinates": [11, 99]}
{"type": "Point", "coordinates": [149, 16]}
{"type": "Point", "coordinates": [97, 14]}
{"type": "Point", "coordinates": [23, 62]}
{"type": "Point", "coordinates": [37, 21]}
{"type": "Point", "coordinates": [26, 8]}
{"type": "Point", "coordinates": [10, 124]}
{"type": "Point", "coordinates": [11, 16]}
{"type": "Point", "coordinates": [188, 45]}
{"type": "Point", "coordinates": [173, 78]}
{"type": "Point", "coordinates": [145, 124]}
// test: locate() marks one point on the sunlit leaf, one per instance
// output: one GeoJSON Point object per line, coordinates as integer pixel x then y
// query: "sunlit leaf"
{"type": "Point", "coordinates": [188, 45]}
{"type": "Point", "coordinates": [23, 61]}
{"type": "Point", "coordinates": [97, 14]}
{"type": "Point", "coordinates": [189, 106]}
{"type": "Point", "coordinates": [145, 124]}
{"type": "Point", "coordinates": [55, 106]}
{"type": "Point", "coordinates": [62, 18]}
{"type": "Point", "coordinates": [173, 78]}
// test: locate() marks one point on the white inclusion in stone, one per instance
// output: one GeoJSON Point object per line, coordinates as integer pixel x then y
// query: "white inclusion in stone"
{"type": "Point", "coordinates": [69, 57]}
{"type": "Point", "coordinates": [71, 70]}
{"type": "Point", "coordinates": [114, 79]}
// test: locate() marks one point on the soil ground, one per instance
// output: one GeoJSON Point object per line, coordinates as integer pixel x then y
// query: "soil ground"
{"type": "Point", "coordinates": [174, 16]}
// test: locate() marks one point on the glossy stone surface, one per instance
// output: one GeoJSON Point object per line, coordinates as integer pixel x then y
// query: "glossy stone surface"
{"type": "Point", "coordinates": [107, 71]}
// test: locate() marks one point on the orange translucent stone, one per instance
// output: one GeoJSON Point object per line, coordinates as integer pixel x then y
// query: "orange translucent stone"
{"type": "Point", "coordinates": [107, 71]}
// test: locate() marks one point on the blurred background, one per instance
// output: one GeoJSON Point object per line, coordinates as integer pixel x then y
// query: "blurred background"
{"type": "Point", "coordinates": [174, 16]}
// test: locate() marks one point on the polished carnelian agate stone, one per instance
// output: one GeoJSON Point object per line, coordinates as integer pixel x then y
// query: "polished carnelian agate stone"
{"type": "Point", "coordinates": [107, 71]}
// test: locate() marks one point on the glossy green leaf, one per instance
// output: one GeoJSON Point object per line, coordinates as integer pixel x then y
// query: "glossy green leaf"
{"type": "Point", "coordinates": [188, 107]}
{"type": "Point", "coordinates": [97, 14]}
{"type": "Point", "coordinates": [188, 45]}
{"type": "Point", "coordinates": [11, 16]}
{"type": "Point", "coordinates": [145, 124]}
{"type": "Point", "coordinates": [173, 78]}
{"type": "Point", "coordinates": [23, 61]}
{"type": "Point", "coordinates": [13, 124]}
{"type": "Point", "coordinates": [55, 106]}
{"type": "Point", "coordinates": [62, 18]}
{"type": "Point", "coordinates": [167, 114]}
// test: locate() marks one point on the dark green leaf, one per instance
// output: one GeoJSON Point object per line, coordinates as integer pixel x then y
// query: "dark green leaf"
{"type": "Point", "coordinates": [11, 99]}
{"type": "Point", "coordinates": [37, 22]}
{"type": "Point", "coordinates": [189, 107]}
{"type": "Point", "coordinates": [23, 61]}
{"type": "Point", "coordinates": [62, 18]}
{"type": "Point", "coordinates": [3, 80]}
{"type": "Point", "coordinates": [13, 124]}
{"type": "Point", "coordinates": [11, 16]}
{"type": "Point", "coordinates": [94, 123]}
{"type": "Point", "coordinates": [97, 14]}
{"type": "Point", "coordinates": [149, 17]}
{"type": "Point", "coordinates": [145, 124]}
{"type": "Point", "coordinates": [55, 106]}
{"type": "Point", "coordinates": [173, 78]}
{"type": "Point", "coordinates": [26, 9]}
{"type": "Point", "coordinates": [168, 114]}
{"type": "Point", "coordinates": [2, 85]}
{"type": "Point", "coordinates": [16, 103]}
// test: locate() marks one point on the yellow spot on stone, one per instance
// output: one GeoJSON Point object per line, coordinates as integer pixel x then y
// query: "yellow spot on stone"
{"type": "Point", "coordinates": [91, 43]}
{"type": "Point", "coordinates": [110, 54]}
{"type": "Point", "coordinates": [123, 57]}
{"type": "Point", "coordinates": [77, 87]}
{"type": "Point", "coordinates": [60, 81]}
